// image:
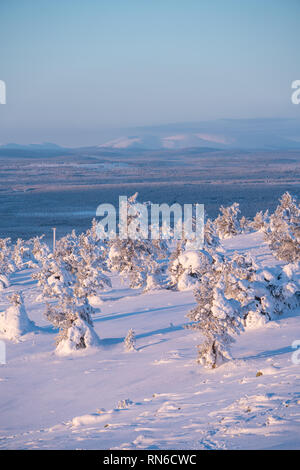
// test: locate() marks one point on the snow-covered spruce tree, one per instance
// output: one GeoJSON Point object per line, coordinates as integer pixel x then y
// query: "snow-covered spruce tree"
{"type": "Point", "coordinates": [39, 250]}
{"type": "Point", "coordinates": [26, 254]}
{"type": "Point", "coordinates": [176, 268]}
{"type": "Point", "coordinates": [14, 321]}
{"type": "Point", "coordinates": [227, 223]}
{"type": "Point", "coordinates": [101, 244]}
{"type": "Point", "coordinates": [139, 259]}
{"type": "Point", "coordinates": [211, 237]}
{"type": "Point", "coordinates": [7, 265]}
{"type": "Point", "coordinates": [73, 318]}
{"type": "Point", "coordinates": [283, 232]}
{"type": "Point", "coordinates": [20, 253]}
{"type": "Point", "coordinates": [90, 268]}
{"type": "Point", "coordinates": [77, 262]}
{"type": "Point", "coordinates": [71, 276]}
{"type": "Point", "coordinates": [186, 265]}
{"type": "Point", "coordinates": [224, 297]}
{"type": "Point", "coordinates": [129, 342]}
{"type": "Point", "coordinates": [54, 277]}
{"type": "Point", "coordinates": [217, 318]}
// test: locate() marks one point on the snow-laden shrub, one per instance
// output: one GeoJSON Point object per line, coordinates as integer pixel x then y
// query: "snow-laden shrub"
{"type": "Point", "coordinates": [227, 223]}
{"type": "Point", "coordinates": [187, 267]}
{"type": "Point", "coordinates": [278, 289]}
{"type": "Point", "coordinates": [14, 321]}
{"type": "Point", "coordinates": [187, 264]}
{"type": "Point", "coordinates": [283, 231]}
{"type": "Point", "coordinates": [129, 341]}
{"type": "Point", "coordinates": [255, 319]}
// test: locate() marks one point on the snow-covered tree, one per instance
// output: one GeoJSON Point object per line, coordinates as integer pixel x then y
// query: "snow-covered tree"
{"type": "Point", "coordinates": [277, 289]}
{"type": "Point", "coordinates": [14, 321]}
{"type": "Point", "coordinates": [69, 276]}
{"type": "Point", "coordinates": [91, 269]}
{"type": "Point", "coordinates": [187, 267]}
{"type": "Point", "coordinates": [186, 264]}
{"type": "Point", "coordinates": [234, 293]}
{"type": "Point", "coordinates": [227, 222]}
{"type": "Point", "coordinates": [20, 253]}
{"type": "Point", "coordinates": [245, 225]}
{"type": "Point", "coordinates": [40, 249]}
{"type": "Point", "coordinates": [54, 277]}
{"type": "Point", "coordinates": [223, 296]}
{"type": "Point", "coordinates": [77, 264]}
{"type": "Point", "coordinates": [129, 342]}
{"type": "Point", "coordinates": [139, 258]}
{"type": "Point", "coordinates": [7, 265]}
{"type": "Point", "coordinates": [283, 232]}
{"type": "Point", "coordinates": [211, 238]}
{"type": "Point", "coordinates": [260, 221]}
{"type": "Point", "coordinates": [73, 318]}
{"type": "Point", "coordinates": [216, 317]}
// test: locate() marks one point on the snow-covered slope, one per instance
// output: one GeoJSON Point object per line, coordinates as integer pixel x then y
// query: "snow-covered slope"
{"type": "Point", "coordinates": [172, 141]}
{"type": "Point", "coordinates": [156, 397]}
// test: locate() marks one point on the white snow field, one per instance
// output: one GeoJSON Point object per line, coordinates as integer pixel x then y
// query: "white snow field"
{"type": "Point", "coordinates": [157, 396]}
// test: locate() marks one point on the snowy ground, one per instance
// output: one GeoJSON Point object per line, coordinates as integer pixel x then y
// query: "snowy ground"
{"type": "Point", "coordinates": [51, 402]}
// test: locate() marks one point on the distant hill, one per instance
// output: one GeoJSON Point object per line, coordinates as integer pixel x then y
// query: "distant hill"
{"type": "Point", "coordinates": [254, 134]}
{"type": "Point", "coordinates": [265, 134]}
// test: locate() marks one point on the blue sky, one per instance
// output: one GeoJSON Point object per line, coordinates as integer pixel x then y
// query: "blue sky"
{"type": "Point", "coordinates": [73, 68]}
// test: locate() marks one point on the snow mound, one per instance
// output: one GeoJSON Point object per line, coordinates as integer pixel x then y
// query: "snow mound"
{"type": "Point", "coordinates": [94, 418]}
{"type": "Point", "coordinates": [255, 320]}
{"type": "Point", "coordinates": [14, 321]}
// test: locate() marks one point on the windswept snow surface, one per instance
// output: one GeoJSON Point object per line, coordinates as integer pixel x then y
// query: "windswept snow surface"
{"type": "Point", "coordinates": [156, 397]}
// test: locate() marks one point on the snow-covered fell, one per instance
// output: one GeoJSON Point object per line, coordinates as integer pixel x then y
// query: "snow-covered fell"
{"type": "Point", "coordinates": [168, 400]}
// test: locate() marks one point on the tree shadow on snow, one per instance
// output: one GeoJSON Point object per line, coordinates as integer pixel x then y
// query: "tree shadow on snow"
{"type": "Point", "coordinates": [148, 311]}
{"type": "Point", "coordinates": [115, 341]}
{"type": "Point", "coordinates": [263, 354]}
